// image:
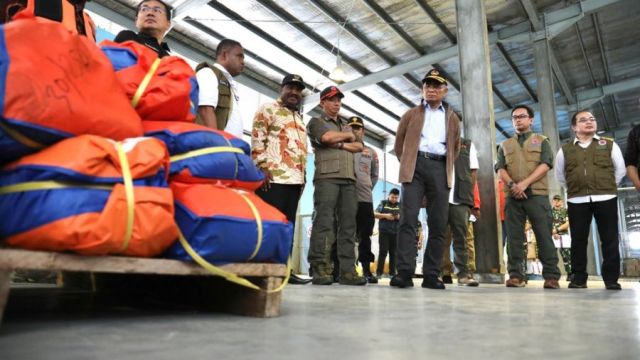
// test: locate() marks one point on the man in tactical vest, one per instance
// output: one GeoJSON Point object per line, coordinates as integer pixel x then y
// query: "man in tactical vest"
{"type": "Point", "coordinates": [153, 20]}
{"type": "Point", "coordinates": [334, 198]}
{"type": "Point", "coordinates": [218, 97]}
{"type": "Point", "coordinates": [523, 163]}
{"type": "Point", "coordinates": [388, 215]}
{"type": "Point", "coordinates": [366, 166]}
{"type": "Point", "coordinates": [461, 202]}
{"type": "Point", "coordinates": [590, 167]}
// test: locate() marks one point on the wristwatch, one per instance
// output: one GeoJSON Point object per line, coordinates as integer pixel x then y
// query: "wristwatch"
{"type": "Point", "coordinates": [510, 184]}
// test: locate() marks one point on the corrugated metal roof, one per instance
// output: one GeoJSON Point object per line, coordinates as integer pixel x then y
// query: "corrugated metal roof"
{"type": "Point", "coordinates": [379, 34]}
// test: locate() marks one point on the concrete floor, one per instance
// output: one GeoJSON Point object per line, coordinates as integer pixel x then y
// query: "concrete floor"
{"type": "Point", "coordinates": [340, 322]}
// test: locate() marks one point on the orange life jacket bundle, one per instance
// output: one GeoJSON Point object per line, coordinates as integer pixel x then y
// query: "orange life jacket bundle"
{"type": "Point", "coordinates": [54, 85]}
{"type": "Point", "coordinates": [227, 225]}
{"type": "Point", "coordinates": [203, 155]}
{"type": "Point", "coordinates": [160, 89]}
{"type": "Point", "coordinates": [90, 195]}
{"type": "Point", "coordinates": [68, 12]}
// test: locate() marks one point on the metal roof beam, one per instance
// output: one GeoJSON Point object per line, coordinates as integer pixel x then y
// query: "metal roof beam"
{"type": "Point", "coordinates": [586, 98]}
{"type": "Point", "coordinates": [297, 24]}
{"type": "Point", "coordinates": [186, 8]}
{"type": "Point", "coordinates": [520, 31]}
{"type": "Point", "coordinates": [436, 21]}
{"type": "Point", "coordinates": [605, 66]}
{"type": "Point", "coordinates": [282, 46]}
{"type": "Point", "coordinates": [330, 13]}
{"type": "Point", "coordinates": [538, 25]}
{"type": "Point", "coordinates": [505, 56]}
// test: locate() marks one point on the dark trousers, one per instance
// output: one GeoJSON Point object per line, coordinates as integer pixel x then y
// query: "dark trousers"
{"type": "Point", "coordinates": [284, 198]}
{"type": "Point", "coordinates": [334, 221]}
{"type": "Point", "coordinates": [538, 210]}
{"type": "Point", "coordinates": [430, 179]}
{"type": "Point", "coordinates": [606, 215]}
{"type": "Point", "coordinates": [365, 221]}
{"type": "Point", "coordinates": [387, 244]}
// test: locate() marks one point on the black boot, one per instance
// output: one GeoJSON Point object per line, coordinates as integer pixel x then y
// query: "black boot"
{"type": "Point", "coordinates": [402, 279]}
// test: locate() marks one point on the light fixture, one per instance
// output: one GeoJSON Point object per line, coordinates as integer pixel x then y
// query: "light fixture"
{"type": "Point", "coordinates": [337, 74]}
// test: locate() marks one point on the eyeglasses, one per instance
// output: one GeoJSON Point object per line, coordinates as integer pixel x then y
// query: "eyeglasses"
{"type": "Point", "coordinates": [155, 9]}
{"type": "Point", "coordinates": [584, 120]}
{"type": "Point", "coordinates": [519, 117]}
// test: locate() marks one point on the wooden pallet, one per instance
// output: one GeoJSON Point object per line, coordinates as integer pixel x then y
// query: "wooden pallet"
{"type": "Point", "coordinates": [230, 297]}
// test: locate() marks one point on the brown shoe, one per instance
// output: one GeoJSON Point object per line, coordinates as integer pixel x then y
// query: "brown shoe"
{"type": "Point", "coordinates": [515, 282]}
{"type": "Point", "coordinates": [551, 284]}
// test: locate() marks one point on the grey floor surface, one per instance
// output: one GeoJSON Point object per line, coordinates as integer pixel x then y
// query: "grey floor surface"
{"type": "Point", "coordinates": [340, 322]}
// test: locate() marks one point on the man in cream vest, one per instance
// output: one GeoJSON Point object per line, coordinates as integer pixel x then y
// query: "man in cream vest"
{"type": "Point", "coordinates": [523, 163]}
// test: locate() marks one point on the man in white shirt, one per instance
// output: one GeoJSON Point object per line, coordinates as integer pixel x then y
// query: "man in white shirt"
{"type": "Point", "coordinates": [218, 97]}
{"type": "Point", "coordinates": [461, 203]}
{"type": "Point", "coordinates": [590, 167]}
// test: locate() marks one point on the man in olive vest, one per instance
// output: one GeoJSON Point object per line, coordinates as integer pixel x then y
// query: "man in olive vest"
{"type": "Point", "coordinates": [218, 96]}
{"type": "Point", "coordinates": [461, 202]}
{"type": "Point", "coordinates": [590, 167]}
{"type": "Point", "coordinates": [523, 163]}
{"type": "Point", "coordinates": [334, 198]}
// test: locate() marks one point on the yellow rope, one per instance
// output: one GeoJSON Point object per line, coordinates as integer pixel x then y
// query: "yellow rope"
{"type": "Point", "coordinates": [144, 83]}
{"type": "Point", "coordinates": [47, 185]}
{"type": "Point", "coordinates": [258, 218]}
{"type": "Point", "coordinates": [21, 138]}
{"type": "Point", "coordinates": [229, 276]}
{"type": "Point", "coordinates": [128, 189]}
{"type": "Point", "coordinates": [206, 151]}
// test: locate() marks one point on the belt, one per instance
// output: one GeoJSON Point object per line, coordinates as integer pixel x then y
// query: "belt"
{"type": "Point", "coordinates": [432, 156]}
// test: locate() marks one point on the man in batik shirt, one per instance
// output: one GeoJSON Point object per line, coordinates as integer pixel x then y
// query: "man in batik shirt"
{"type": "Point", "coordinates": [279, 149]}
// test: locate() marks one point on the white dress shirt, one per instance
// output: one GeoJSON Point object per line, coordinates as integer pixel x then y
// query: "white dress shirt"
{"type": "Point", "coordinates": [434, 131]}
{"type": "Point", "coordinates": [618, 166]}
{"type": "Point", "coordinates": [208, 96]}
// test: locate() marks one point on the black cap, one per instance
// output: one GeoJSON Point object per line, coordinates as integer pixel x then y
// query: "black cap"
{"type": "Point", "coordinates": [557, 197]}
{"type": "Point", "coordinates": [330, 92]}
{"type": "Point", "coordinates": [356, 121]}
{"type": "Point", "coordinates": [434, 76]}
{"type": "Point", "coordinates": [293, 79]}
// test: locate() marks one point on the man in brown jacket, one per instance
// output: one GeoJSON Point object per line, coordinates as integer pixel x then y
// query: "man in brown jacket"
{"type": "Point", "coordinates": [427, 145]}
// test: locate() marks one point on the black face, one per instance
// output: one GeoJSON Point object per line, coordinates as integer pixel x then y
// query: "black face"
{"type": "Point", "coordinates": [291, 96]}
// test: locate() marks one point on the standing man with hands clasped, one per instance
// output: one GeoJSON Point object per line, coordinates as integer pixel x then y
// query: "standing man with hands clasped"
{"type": "Point", "coordinates": [590, 167]}
{"type": "Point", "coordinates": [334, 199]}
{"type": "Point", "coordinates": [279, 149]}
{"type": "Point", "coordinates": [427, 145]}
{"type": "Point", "coordinates": [523, 163]}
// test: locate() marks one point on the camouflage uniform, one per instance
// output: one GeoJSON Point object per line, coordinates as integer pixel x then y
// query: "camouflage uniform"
{"type": "Point", "coordinates": [560, 217]}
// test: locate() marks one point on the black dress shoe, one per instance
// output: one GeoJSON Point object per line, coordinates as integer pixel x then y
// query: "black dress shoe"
{"type": "Point", "coordinates": [613, 286]}
{"type": "Point", "coordinates": [577, 285]}
{"type": "Point", "coordinates": [371, 279]}
{"type": "Point", "coordinates": [432, 282]}
{"type": "Point", "coordinates": [296, 280]}
{"type": "Point", "coordinates": [401, 280]}
{"type": "Point", "coordinates": [447, 279]}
